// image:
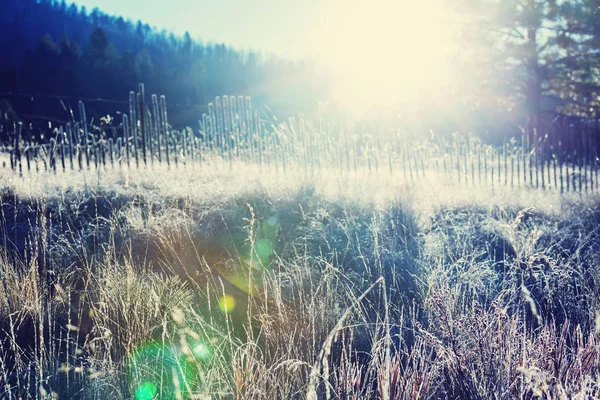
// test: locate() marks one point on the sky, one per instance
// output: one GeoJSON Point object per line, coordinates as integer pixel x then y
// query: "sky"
{"type": "Point", "coordinates": [283, 27]}
{"type": "Point", "coordinates": [384, 51]}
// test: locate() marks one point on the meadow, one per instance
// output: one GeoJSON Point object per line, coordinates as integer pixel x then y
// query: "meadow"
{"type": "Point", "coordinates": [295, 259]}
{"type": "Point", "coordinates": [407, 208]}
{"type": "Point", "coordinates": [233, 281]}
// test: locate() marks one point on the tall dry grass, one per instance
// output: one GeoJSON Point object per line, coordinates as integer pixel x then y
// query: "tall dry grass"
{"type": "Point", "coordinates": [129, 292]}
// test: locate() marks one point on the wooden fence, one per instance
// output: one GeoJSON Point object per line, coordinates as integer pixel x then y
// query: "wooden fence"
{"type": "Point", "coordinates": [560, 154]}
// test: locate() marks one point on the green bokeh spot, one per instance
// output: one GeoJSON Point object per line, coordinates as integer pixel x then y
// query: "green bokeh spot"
{"type": "Point", "coordinates": [146, 391]}
{"type": "Point", "coordinates": [270, 227]}
{"type": "Point", "coordinates": [154, 369]}
{"type": "Point", "coordinates": [264, 249]}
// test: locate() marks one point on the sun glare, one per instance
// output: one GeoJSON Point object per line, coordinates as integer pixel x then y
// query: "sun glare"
{"type": "Point", "coordinates": [387, 52]}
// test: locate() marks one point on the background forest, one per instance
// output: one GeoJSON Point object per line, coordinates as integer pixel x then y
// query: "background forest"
{"type": "Point", "coordinates": [510, 61]}
{"type": "Point", "coordinates": [53, 51]}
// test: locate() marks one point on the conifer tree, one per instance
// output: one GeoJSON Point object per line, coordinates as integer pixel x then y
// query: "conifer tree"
{"type": "Point", "coordinates": [539, 55]}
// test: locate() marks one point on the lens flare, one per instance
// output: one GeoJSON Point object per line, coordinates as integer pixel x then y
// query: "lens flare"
{"type": "Point", "coordinates": [254, 256]}
{"type": "Point", "coordinates": [270, 227]}
{"type": "Point", "coordinates": [264, 250]}
{"type": "Point", "coordinates": [146, 391]}
{"type": "Point", "coordinates": [227, 303]}
{"type": "Point", "coordinates": [156, 371]}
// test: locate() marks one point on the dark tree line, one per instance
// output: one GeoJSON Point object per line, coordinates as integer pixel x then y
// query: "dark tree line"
{"type": "Point", "coordinates": [53, 54]}
{"type": "Point", "coordinates": [537, 55]}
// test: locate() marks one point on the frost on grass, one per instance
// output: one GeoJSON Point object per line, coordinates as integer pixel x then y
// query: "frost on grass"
{"type": "Point", "coordinates": [244, 283]}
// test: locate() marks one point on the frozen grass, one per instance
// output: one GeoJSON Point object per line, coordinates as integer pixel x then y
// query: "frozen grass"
{"type": "Point", "coordinates": [239, 282]}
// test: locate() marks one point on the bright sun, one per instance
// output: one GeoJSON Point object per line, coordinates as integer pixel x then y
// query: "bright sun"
{"type": "Point", "coordinates": [387, 52]}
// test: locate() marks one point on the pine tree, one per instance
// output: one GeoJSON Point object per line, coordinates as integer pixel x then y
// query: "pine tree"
{"type": "Point", "coordinates": [537, 54]}
{"type": "Point", "coordinates": [144, 67]}
{"type": "Point", "coordinates": [96, 49]}
{"type": "Point", "coordinates": [69, 62]}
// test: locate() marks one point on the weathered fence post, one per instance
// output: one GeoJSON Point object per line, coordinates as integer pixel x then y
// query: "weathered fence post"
{"type": "Point", "coordinates": [505, 164]}
{"type": "Point", "coordinates": [126, 138]}
{"type": "Point", "coordinates": [18, 134]}
{"type": "Point", "coordinates": [70, 139]}
{"type": "Point", "coordinates": [150, 134]}
{"type": "Point", "coordinates": [85, 133]}
{"type": "Point", "coordinates": [111, 149]}
{"type": "Point", "coordinates": [164, 124]}
{"type": "Point", "coordinates": [61, 144]}
{"type": "Point", "coordinates": [134, 128]}
{"type": "Point", "coordinates": [141, 97]}
{"type": "Point", "coordinates": [52, 154]}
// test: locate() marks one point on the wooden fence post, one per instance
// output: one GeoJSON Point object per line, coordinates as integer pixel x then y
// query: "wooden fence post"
{"type": "Point", "coordinates": [52, 153]}
{"type": "Point", "coordinates": [141, 97]}
{"type": "Point", "coordinates": [150, 134]}
{"type": "Point", "coordinates": [133, 115]}
{"type": "Point", "coordinates": [70, 139]}
{"type": "Point", "coordinates": [111, 149]}
{"type": "Point", "coordinates": [157, 126]}
{"type": "Point", "coordinates": [61, 146]}
{"type": "Point", "coordinates": [126, 139]}
{"type": "Point", "coordinates": [164, 124]}
{"type": "Point", "coordinates": [85, 132]}
{"type": "Point", "coordinates": [505, 164]}
{"type": "Point", "coordinates": [28, 156]}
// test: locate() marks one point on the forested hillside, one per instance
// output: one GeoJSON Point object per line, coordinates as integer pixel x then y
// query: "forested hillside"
{"type": "Point", "coordinates": [52, 52]}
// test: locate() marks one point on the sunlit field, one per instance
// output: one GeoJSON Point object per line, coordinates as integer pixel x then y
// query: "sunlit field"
{"type": "Point", "coordinates": [400, 202]}
{"type": "Point", "coordinates": [236, 283]}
